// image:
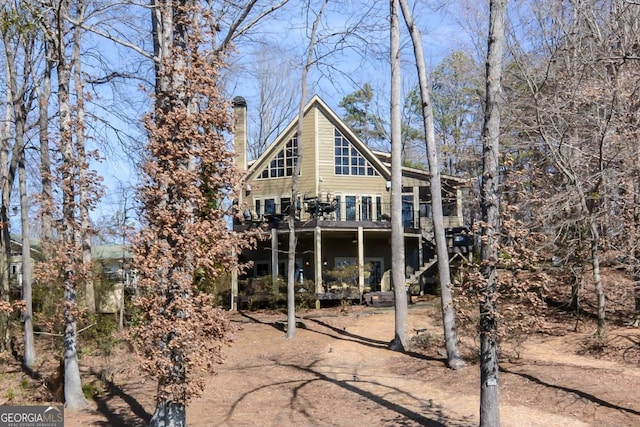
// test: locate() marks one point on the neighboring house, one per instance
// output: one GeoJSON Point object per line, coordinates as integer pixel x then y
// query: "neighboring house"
{"type": "Point", "coordinates": [112, 268]}
{"type": "Point", "coordinates": [15, 262]}
{"type": "Point", "coordinates": [112, 263]}
{"type": "Point", "coordinates": [343, 205]}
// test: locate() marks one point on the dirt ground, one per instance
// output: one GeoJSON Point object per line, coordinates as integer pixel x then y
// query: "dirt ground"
{"type": "Point", "coordinates": [338, 371]}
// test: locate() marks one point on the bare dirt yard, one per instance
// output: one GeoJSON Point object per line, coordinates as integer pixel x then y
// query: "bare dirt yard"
{"type": "Point", "coordinates": [338, 371]}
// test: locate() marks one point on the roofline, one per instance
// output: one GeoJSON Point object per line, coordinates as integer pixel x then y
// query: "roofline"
{"type": "Point", "coordinates": [333, 117]}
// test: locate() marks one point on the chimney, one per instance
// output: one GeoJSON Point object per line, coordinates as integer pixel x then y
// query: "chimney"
{"type": "Point", "coordinates": [240, 132]}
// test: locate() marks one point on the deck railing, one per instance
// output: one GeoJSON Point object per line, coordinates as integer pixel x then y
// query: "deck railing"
{"type": "Point", "coordinates": [347, 211]}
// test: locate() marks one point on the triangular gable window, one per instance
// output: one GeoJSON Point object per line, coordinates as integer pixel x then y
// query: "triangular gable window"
{"type": "Point", "coordinates": [348, 160]}
{"type": "Point", "coordinates": [283, 163]}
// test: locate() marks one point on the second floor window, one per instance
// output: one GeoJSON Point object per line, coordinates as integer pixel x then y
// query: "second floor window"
{"type": "Point", "coordinates": [348, 160]}
{"type": "Point", "coordinates": [284, 163]}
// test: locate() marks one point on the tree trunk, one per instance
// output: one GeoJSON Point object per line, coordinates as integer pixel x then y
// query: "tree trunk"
{"type": "Point", "coordinates": [291, 278]}
{"type": "Point", "coordinates": [19, 98]}
{"type": "Point", "coordinates": [46, 196]}
{"type": "Point", "coordinates": [454, 361]}
{"type": "Point", "coordinates": [169, 414]}
{"type": "Point", "coordinates": [597, 279]}
{"type": "Point", "coordinates": [73, 394]}
{"type": "Point", "coordinates": [489, 200]}
{"type": "Point", "coordinates": [83, 189]}
{"type": "Point", "coordinates": [27, 315]}
{"type": "Point", "coordinates": [74, 397]}
{"type": "Point", "coordinates": [400, 340]}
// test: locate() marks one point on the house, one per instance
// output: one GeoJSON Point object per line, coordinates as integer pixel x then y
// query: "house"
{"type": "Point", "coordinates": [113, 276]}
{"type": "Point", "coordinates": [343, 205]}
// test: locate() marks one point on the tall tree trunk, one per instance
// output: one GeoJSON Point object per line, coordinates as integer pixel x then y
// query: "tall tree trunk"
{"type": "Point", "coordinates": [46, 196]}
{"type": "Point", "coordinates": [27, 316]}
{"type": "Point", "coordinates": [84, 196]}
{"type": "Point", "coordinates": [489, 200]}
{"type": "Point", "coordinates": [19, 104]}
{"type": "Point", "coordinates": [291, 278]}
{"type": "Point", "coordinates": [170, 41]}
{"type": "Point", "coordinates": [400, 339]}
{"type": "Point", "coordinates": [5, 243]}
{"type": "Point", "coordinates": [74, 397]}
{"type": "Point", "coordinates": [454, 361]}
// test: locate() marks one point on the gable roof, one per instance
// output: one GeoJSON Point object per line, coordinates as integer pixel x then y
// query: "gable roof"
{"type": "Point", "coordinates": [316, 102]}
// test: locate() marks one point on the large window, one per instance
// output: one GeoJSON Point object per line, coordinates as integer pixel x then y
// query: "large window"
{"type": "Point", "coordinates": [350, 205]}
{"type": "Point", "coordinates": [269, 206]}
{"type": "Point", "coordinates": [284, 163]}
{"type": "Point", "coordinates": [407, 210]}
{"type": "Point", "coordinates": [367, 207]}
{"type": "Point", "coordinates": [348, 160]}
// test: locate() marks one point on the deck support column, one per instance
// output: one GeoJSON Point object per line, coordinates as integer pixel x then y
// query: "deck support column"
{"type": "Point", "coordinates": [317, 262]}
{"type": "Point", "coordinates": [361, 261]}
{"type": "Point", "coordinates": [274, 261]}
{"type": "Point", "coordinates": [234, 282]}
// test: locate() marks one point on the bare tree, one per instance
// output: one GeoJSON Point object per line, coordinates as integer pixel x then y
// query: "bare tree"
{"type": "Point", "coordinates": [18, 42]}
{"type": "Point", "coordinates": [400, 340]}
{"type": "Point", "coordinates": [578, 110]}
{"type": "Point", "coordinates": [291, 292]}
{"type": "Point", "coordinates": [448, 312]}
{"type": "Point", "coordinates": [69, 255]}
{"type": "Point", "coordinates": [25, 274]}
{"type": "Point", "coordinates": [489, 199]}
{"type": "Point", "coordinates": [87, 181]}
{"type": "Point", "coordinates": [277, 82]}
{"type": "Point", "coordinates": [18, 99]}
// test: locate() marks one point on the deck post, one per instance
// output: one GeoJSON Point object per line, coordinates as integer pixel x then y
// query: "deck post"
{"type": "Point", "coordinates": [317, 262]}
{"type": "Point", "coordinates": [234, 282]}
{"type": "Point", "coordinates": [361, 261]}
{"type": "Point", "coordinates": [274, 261]}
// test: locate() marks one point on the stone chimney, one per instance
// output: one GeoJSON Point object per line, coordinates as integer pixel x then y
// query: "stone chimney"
{"type": "Point", "coordinates": [240, 132]}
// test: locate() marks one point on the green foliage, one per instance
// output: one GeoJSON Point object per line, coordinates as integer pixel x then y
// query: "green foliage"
{"type": "Point", "coordinates": [368, 125]}
{"type": "Point", "coordinates": [103, 335]}
{"type": "Point", "coordinates": [410, 163]}
{"type": "Point", "coordinates": [16, 22]}
{"type": "Point", "coordinates": [92, 390]}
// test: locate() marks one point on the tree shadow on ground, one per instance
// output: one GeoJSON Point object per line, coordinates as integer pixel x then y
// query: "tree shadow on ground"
{"type": "Point", "coordinates": [342, 334]}
{"type": "Point", "coordinates": [430, 415]}
{"type": "Point", "coordinates": [579, 393]}
{"type": "Point", "coordinates": [136, 417]}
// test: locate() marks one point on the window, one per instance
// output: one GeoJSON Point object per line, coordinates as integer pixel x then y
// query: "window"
{"type": "Point", "coordinates": [350, 207]}
{"type": "Point", "coordinates": [367, 207]}
{"type": "Point", "coordinates": [269, 206]}
{"type": "Point", "coordinates": [262, 269]}
{"type": "Point", "coordinates": [284, 163]}
{"type": "Point", "coordinates": [407, 210]}
{"type": "Point", "coordinates": [258, 207]}
{"type": "Point", "coordinates": [285, 205]}
{"type": "Point", "coordinates": [348, 160]}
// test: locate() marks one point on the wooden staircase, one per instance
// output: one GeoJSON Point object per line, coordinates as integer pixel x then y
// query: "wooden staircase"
{"type": "Point", "coordinates": [414, 278]}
